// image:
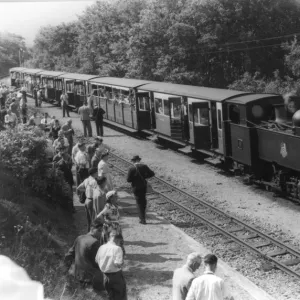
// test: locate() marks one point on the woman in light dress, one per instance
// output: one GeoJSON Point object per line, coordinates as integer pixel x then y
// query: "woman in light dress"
{"type": "Point", "coordinates": [103, 170]}
{"type": "Point", "coordinates": [99, 196]}
{"type": "Point", "coordinates": [110, 217]}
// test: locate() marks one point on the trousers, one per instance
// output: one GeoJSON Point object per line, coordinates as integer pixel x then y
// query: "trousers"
{"type": "Point", "coordinates": [65, 109]}
{"type": "Point", "coordinates": [141, 202]}
{"type": "Point", "coordinates": [88, 205]}
{"type": "Point", "coordinates": [115, 286]}
{"type": "Point", "coordinates": [99, 127]}
{"type": "Point", "coordinates": [87, 127]}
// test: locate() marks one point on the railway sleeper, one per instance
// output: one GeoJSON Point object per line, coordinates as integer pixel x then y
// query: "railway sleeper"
{"type": "Point", "coordinates": [292, 262]}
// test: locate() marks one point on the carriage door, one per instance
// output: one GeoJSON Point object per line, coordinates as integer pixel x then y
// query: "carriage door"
{"type": "Point", "coordinates": [220, 127]}
{"type": "Point", "coordinates": [144, 111]}
{"type": "Point", "coordinates": [175, 118]}
{"type": "Point", "coordinates": [202, 133]}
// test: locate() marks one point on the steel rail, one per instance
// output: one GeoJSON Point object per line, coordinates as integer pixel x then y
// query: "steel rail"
{"type": "Point", "coordinates": [271, 240]}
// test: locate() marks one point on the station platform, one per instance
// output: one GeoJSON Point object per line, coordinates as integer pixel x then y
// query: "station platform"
{"type": "Point", "coordinates": [155, 250]}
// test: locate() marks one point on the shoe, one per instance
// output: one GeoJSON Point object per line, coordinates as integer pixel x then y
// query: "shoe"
{"type": "Point", "coordinates": [143, 222]}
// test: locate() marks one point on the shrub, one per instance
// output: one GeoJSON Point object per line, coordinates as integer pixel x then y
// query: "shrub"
{"type": "Point", "coordinates": [23, 150]}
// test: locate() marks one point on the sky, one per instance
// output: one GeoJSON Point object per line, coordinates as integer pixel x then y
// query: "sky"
{"type": "Point", "coordinates": [25, 18]}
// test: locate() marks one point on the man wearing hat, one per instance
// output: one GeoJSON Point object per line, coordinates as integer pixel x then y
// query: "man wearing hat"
{"type": "Point", "coordinates": [137, 176]}
{"type": "Point", "coordinates": [98, 117]}
{"type": "Point", "coordinates": [87, 187]}
{"type": "Point", "coordinates": [81, 257]}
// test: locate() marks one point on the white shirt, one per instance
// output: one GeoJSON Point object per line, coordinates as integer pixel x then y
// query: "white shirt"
{"type": "Point", "coordinates": [88, 185]}
{"type": "Point", "coordinates": [74, 152]}
{"type": "Point", "coordinates": [45, 121]}
{"type": "Point", "coordinates": [206, 287]}
{"type": "Point", "coordinates": [57, 141]}
{"type": "Point", "coordinates": [108, 256]}
{"type": "Point", "coordinates": [12, 118]}
{"type": "Point", "coordinates": [81, 159]}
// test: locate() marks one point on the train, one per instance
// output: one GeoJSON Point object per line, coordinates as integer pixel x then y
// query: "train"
{"type": "Point", "coordinates": [257, 134]}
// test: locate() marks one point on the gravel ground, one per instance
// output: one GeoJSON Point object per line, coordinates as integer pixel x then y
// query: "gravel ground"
{"type": "Point", "coordinates": [258, 207]}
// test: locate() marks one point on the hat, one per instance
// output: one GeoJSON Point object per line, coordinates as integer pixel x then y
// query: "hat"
{"type": "Point", "coordinates": [81, 144]}
{"type": "Point", "coordinates": [99, 138]}
{"type": "Point", "coordinates": [110, 194]}
{"type": "Point", "coordinates": [136, 158]}
{"type": "Point", "coordinates": [93, 171]}
{"type": "Point", "coordinates": [15, 281]}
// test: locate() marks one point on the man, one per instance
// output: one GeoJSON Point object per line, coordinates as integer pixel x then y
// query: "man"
{"type": "Point", "coordinates": [10, 119]}
{"type": "Point", "coordinates": [137, 175]}
{"type": "Point", "coordinates": [98, 116]}
{"type": "Point", "coordinates": [84, 111]}
{"type": "Point", "coordinates": [45, 122]}
{"type": "Point", "coordinates": [68, 132]}
{"type": "Point", "coordinates": [14, 107]}
{"type": "Point", "coordinates": [208, 286]}
{"type": "Point", "coordinates": [82, 257]}
{"type": "Point", "coordinates": [64, 100]}
{"type": "Point", "coordinates": [82, 163]}
{"type": "Point", "coordinates": [110, 260]}
{"type": "Point", "coordinates": [183, 277]}
{"type": "Point", "coordinates": [40, 97]}
{"type": "Point", "coordinates": [65, 166]}
{"type": "Point", "coordinates": [35, 96]}
{"type": "Point", "coordinates": [61, 140]}
{"type": "Point", "coordinates": [87, 187]}
{"type": "Point", "coordinates": [184, 121]}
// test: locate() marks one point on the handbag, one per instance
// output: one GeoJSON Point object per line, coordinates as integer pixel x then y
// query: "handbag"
{"type": "Point", "coordinates": [148, 185]}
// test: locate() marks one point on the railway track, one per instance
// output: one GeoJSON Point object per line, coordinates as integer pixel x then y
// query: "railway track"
{"type": "Point", "coordinates": [278, 253]}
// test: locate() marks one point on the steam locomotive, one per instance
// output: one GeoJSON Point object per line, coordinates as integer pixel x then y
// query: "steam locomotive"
{"type": "Point", "coordinates": [258, 134]}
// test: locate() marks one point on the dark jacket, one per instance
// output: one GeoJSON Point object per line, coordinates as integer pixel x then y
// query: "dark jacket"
{"type": "Point", "coordinates": [137, 176]}
{"type": "Point", "coordinates": [98, 113]}
{"type": "Point", "coordinates": [83, 253]}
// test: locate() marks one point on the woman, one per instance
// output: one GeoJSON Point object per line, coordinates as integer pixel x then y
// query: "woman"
{"type": "Point", "coordinates": [99, 197]}
{"type": "Point", "coordinates": [110, 217]}
{"type": "Point", "coordinates": [103, 170]}
{"type": "Point", "coordinates": [54, 130]}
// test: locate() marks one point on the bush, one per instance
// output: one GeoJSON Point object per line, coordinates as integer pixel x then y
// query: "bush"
{"type": "Point", "coordinates": [23, 150]}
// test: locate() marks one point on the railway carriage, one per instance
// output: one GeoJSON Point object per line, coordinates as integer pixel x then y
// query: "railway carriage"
{"type": "Point", "coordinates": [205, 113]}
{"type": "Point", "coordinates": [16, 76]}
{"type": "Point", "coordinates": [52, 84]}
{"type": "Point", "coordinates": [124, 104]}
{"type": "Point", "coordinates": [32, 77]}
{"type": "Point", "coordinates": [76, 86]}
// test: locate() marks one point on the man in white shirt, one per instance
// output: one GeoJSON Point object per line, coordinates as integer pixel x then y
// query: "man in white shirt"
{"type": "Point", "coordinates": [208, 286]}
{"type": "Point", "coordinates": [46, 122]}
{"type": "Point", "coordinates": [110, 260]}
{"type": "Point", "coordinates": [87, 187]}
{"type": "Point", "coordinates": [184, 276]}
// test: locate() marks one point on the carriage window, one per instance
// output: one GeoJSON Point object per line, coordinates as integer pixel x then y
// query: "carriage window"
{"type": "Point", "coordinates": [234, 114]}
{"type": "Point", "coordinates": [190, 113]}
{"type": "Point", "coordinates": [58, 85]}
{"type": "Point", "coordinates": [69, 86]}
{"type": "Point", "coordinates": [176, 108]}
{"type": "Point", "coordinates": [144, 103]}
{"type": "Point", "coordinates": [50, 83]}
{"type": "Point", "coordinates": [79, 89]}
{"type": "Point", "coordinates": [204, 115]}
{"type": "Point", "coordinates": [158, 106]}
{"type": "Point", "coordinates": [166, 108]}
{"type": "Point", "coordinates": [197, 116]}
{"type": "Point", "coordinates": [219, 119]}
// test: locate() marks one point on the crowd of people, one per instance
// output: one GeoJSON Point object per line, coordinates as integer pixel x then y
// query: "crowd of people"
{"type": "Point", "coordinates": [97, 257]}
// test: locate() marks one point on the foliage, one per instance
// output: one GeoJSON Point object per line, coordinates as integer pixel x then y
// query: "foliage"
{"type": "Point", "coordinates": [23, 151]}
{"type": "Point", "coordinates": [10, 44]}
{"type": "Point", "coordinates": [210, 43]}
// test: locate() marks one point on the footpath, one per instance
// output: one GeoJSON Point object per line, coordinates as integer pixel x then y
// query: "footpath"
{"type": "Point", "coordinates": [155, 250]}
